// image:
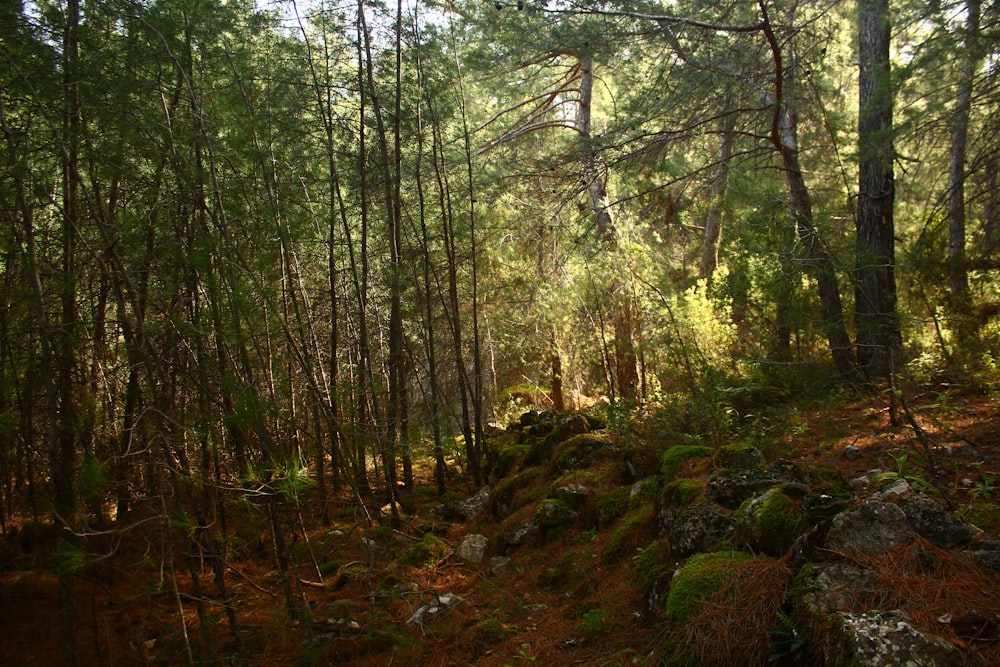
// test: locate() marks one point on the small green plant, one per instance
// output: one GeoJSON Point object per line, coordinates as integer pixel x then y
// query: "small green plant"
{"type": "Point", "coordinates": [984, 488]}
{"type": "Point", "coordinates": [595, 623]}
{"type": "Point", "coordinates": [905, 471]}
{"type": "Point", "coordinates": [787, 639]}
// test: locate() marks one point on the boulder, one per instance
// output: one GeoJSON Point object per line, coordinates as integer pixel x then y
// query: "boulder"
{"type": "Point", "coordinates": [935, 524]}
{"type": "Point", "coordinates": [886, 639]}
{"type": "Point", "coordinates": [700, 529]}
{"type": "Point", "coordinates": [574, 495]}
{"type": "Point", "coordinates": [731, 489]}
{"type": "Point", "coordinates": [463, 510]}
{"type": "Point", "coordinates": [771, 522]}
{"type": "Point", "coordinates": [472, 548]}
{"type": "Point", "coordinates": [870, 530]}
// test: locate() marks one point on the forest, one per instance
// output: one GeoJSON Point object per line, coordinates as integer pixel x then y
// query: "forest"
{"type": "Point", "coordinates": [281, 263]}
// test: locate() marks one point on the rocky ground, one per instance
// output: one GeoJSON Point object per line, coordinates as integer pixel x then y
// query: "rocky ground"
{"type": "Point", "coordinates": [825, 535]}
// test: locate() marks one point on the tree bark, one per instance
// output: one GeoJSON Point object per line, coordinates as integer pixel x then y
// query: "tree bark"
{"type": "Point", "coordinates": [877, 328]}
{"type": "Point", "coordinates": [958, 273]}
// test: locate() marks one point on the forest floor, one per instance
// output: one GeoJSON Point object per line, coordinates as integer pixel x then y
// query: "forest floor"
{"type": "Point", "coordinates": [138, 603]}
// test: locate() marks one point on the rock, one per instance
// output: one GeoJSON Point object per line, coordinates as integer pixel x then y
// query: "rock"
{"type": "Point", "coordinates": [578, 451]}
{"type": "Point", "coordinates": [771, 522]}
{"type": "Point", "coordinates": [435, 609]}
{"type": "Point", "coordinates": [552, 513]}
{"type": "Point", "coordinates": [871, 530]}
{"type": "Point", "coordinates": [887, 639]}
{"type": "Point", "coordinates": [852, 453]}
{"type": "Point", "coordinates": [574, 495]}
{"type": "Point", "coordinates": [740, 456]}
{"type": "Point", "coordinates": [645, 490]}
{"type": "Point", "coordinates": [731, 489]}
{"type": "Point", "coordinates": [560, 431]}
{"type": "Point", "coordinates": [699, 529]}
{"type": "Point", "coordinates": [859, 484]}
{"type": "Point", "coordinates": [896, 493]}
{"type": "Point", "coordinates": [675, 498]}
{"type": "Point", "coordinates": [500, 565]}
{"type": "Point", "coordinates": [836, 587]}
{"type": "Point", "coordinates": [518, 535]}
{"type": "Point", "coordinates": [934, 523]}
{"type": "Point", "coordinates": [472, 549]}
{"type": "Point", "coordinates": [986, 554]}
{"type": "Point", "coordinates": [463, 510]}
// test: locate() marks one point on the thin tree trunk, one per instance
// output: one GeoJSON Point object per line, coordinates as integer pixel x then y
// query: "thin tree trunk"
{"type": "Point", "coordinates": [877, 328]}
{"type": "Point", "coordinates": [717, 196]}
{"type": "Point", "coordinates": [958, 273]}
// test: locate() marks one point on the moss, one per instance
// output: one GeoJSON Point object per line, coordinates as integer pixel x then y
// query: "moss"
{"type": "Point", "coordinates": [578, 451]}
{"type": "Point", "coordinates": [563, 577]}
{"type": "Point", "coordinates": [611, 505]}
{"type": "Point", "coordinates": [985, 516]}
{"type": "Point", "coordinates": [736, 455]}
{"type": "Point", "coordinates": [699, 578]}
{"type": "Point", "coordinates": [771, 522]}
{"type": "Point", "coordinates": [429, 549]}
{"type": "Point", "coordinates": [623, 540]}
{"type": "Point", "coordinates": [675, 457]}
{"type": "Point", "coordinates": [502, 498]}
{"type": "Point", "coordinates": [651, 561]}
{"type": "Point", "coordinates": [682, 491]}
{"type": "Point", "coordinates": [827, 481]}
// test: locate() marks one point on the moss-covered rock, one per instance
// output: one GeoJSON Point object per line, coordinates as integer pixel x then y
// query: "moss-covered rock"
{"type": "Point", "coordinates": [701, 576]}
{"type": "Point", "coordinates": [674, 499]}
{"type": "Point", "coordinates": [429, 549]}
{"type": "Point", "coordinates": [771, 522]}
{"type": "Point", "coordinates": [578, 452]}
{"type": "Point", "coordinates": [675, 457]}
{"type": "Point", "coordinates": [503, 500]}
{"type": "Point", "coordinates": [739, 455]}
{"type": "Point", "coordinates": [611, 505]}
{"type": "Point", "coordinates": [628, 534]}
{"type": "Point", "coordinates": [565, 577]}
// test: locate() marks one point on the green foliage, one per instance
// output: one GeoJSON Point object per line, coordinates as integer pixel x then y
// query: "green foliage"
{"type": "Point", "coordinates": [566, 576]}
{"type": "Point", "coordinates": [595, 623]}
{"type": "Point", "coordinates": [675, 457]}
{"type": "Point", "coordinates": [651, 561]}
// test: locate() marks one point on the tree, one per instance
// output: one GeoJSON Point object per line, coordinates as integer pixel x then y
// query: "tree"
{"type": "Point", "coordinates": [877, 328]}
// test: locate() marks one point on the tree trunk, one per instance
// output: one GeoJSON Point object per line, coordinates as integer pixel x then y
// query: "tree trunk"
{"type": "Point", "coordinates": [877, 328]}
{"type": "Point", "coordinates": [958, 274]}
{"type": "Point", "coordinates": [717, 195]}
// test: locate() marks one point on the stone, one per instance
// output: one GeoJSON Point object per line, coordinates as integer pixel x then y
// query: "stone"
{"type": "Point", "coordinates": [771, 522]}
{"type": "Point", "coordinates": [500, 565]}
{"type": "Point", "coordinates": [740, 456]}
{"type": "Point", "coordinates": [520, 534]}
{"type": "Point", "coordinates": [552, 513]}
{"type": "Point", "coordinates": [934, 523]}
{"type": "Point", "coordinates": [887, 639]}
{"type": "Point", "coordinates": [870, 530]}
{"type": "Point", "coordinates": [896, 493]}
{"type": "Point", "coordinates": [852, 453]}
{"type": "Point", "coordinates": [701, 528]}
{"type": "Point", "coordinates": [837, 587]}
{"type": "Point", "coordinates": [986, 554]}
{"type": "Point", "coordinates": [731, 489]}
{"type": "Point", "coordinates": [472, 548]}
{"type": "Point", "coordinates": [463, 510]}
{"type": "Point", "coordinates": [574, 495]}
{"type": "Point", "coordinates": [435, 609]}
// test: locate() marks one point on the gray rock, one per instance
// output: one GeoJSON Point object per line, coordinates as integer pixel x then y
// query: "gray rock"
{"type": "Point", "coordinates": [837, 586]}
{"type": "Point", "coordinates": [500, 565]}
{"type": "Point", "coordinates": [645, 487]}
{"type": "Point", "coordinates": [435, 609]}
{"type": "Point", "coordinates": [986, 554]}
{"type": "Point", "coordinates": [463, 510]}
{"type": "Point", "coordinates": [552, 513]}
{"type": "Point", "coordinates": [730, 489]}
{"type": "Point", "coordinates": [699, 529]}
{"type": "Point", "coordinates": [887, 639]}
{"type": "Point", "coordinates": [896, 493]}
{"type": "Point", "coordinates": [852, 453]}
{"type": "Point", "coordinates": [574, 495]}
{"type": "Point", "coordinates": [518, 535]}
{"type": "Point", "coordinates": [934, 523]}
{"type": "Point", "coordinates": [472, 549]}
{"type": "Point", "coordinates": [871, 530]}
